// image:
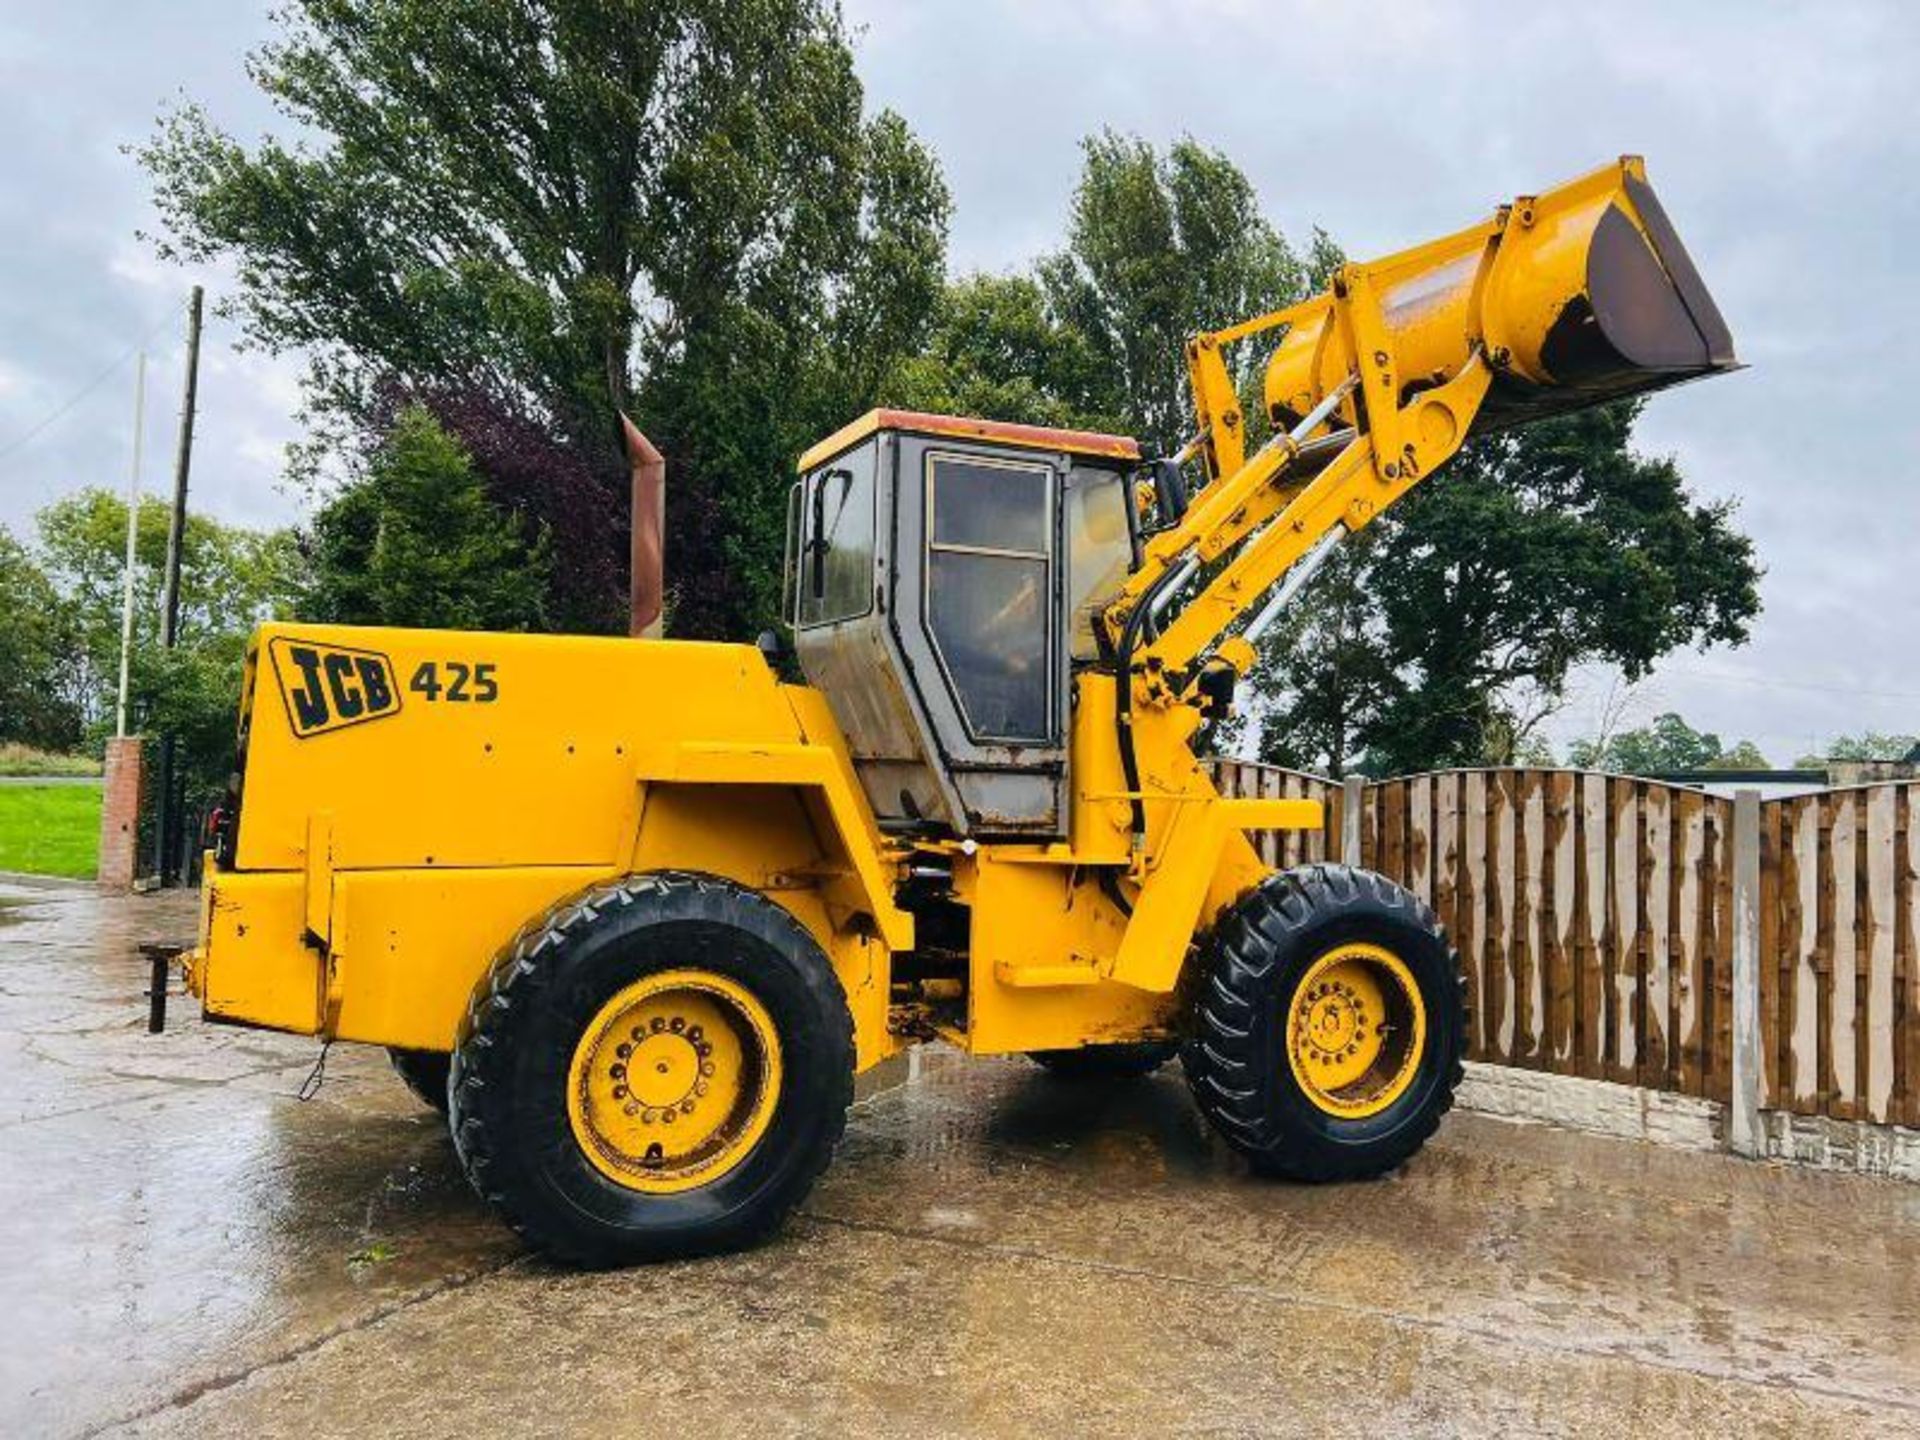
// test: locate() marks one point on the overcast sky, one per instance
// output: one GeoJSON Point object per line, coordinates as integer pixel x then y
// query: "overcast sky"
{"type": "Point", "coordinates": [1782, 139]}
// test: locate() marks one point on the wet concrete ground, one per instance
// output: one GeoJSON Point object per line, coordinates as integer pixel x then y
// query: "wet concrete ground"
{"type": "Point", "coordinates": [185, 1248]}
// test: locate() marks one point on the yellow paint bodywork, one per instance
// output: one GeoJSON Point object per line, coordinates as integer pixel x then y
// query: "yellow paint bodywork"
{"type": "Point", "coordinates": [380, 866]}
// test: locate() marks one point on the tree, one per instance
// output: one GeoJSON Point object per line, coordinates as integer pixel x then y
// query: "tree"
{"type": "Point", "coordinates": [1450, 631]}
{"type": "Point", "coordinates": [230, 579]}
{"type": "Point", "coordinates": [1669, 743]}
{"type": "Point", "coordinates": [1868, 745]}
{"type": "Point", "coordinates": [1741, 755]}
{"type": "Point", "coordinates": [39, 700]}
{"type": "Point", "coordinates": [1158, 249]}
{"type": "Point", "coordinates": [998, 349]}
{"type": "Point", "coordinates": [416, 541]}
{"type": "Point", "coordinates": [546, 483]}
{"type": "Point", "coordinates": [575, 206]}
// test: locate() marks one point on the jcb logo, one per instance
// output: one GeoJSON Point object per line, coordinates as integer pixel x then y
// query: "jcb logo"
{"type": "Point", "coordinates": [329, 687]}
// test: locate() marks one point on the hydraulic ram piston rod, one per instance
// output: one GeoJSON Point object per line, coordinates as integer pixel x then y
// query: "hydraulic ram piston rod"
{"type": "Point", "coordinates": [1294, 582]}
{"type": "Point", "coordinates": [1295, 440]}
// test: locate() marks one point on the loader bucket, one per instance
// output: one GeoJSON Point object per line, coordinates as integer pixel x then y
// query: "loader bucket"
{"type": "Point", "coordinates": [1580, 295]}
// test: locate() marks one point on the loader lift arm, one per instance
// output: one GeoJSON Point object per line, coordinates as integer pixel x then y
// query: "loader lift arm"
{"type": "Point", "coordinates": [1561, 300]}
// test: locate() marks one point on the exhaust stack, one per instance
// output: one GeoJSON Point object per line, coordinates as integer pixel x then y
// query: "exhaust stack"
{"type": "Point", "coordinates": [647, 568]}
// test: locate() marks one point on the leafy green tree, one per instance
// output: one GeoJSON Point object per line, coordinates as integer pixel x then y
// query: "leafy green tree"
{"type": "Point", "coordinates": [1868, 745]}
{"type": "Point", "coordinates": [1741, 755]}
{"type": "Point", "coordinates": [1159, 248]}
{"type": "Point", "coordinates": [1452, 627]}
{"type": "Point", "coordinates": [998, 349]}
{"type": "Point", "coordinates": [416, 541]}
{"type": "Point", "coordinates": [1669, 743]}
{"type": "Point", "coordinates": [230, 579]}
{"type": "Point", "coordinates": [39, 703]}
{"type": "Point", "coordinates": [676, 206]}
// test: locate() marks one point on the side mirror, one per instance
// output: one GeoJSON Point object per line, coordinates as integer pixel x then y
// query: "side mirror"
{"type": "Point", "coordinates": [1170, 490]}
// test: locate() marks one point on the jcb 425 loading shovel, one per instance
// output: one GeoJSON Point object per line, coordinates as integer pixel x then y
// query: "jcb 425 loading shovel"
{"type": "Point", "coordinates": [635, 912]}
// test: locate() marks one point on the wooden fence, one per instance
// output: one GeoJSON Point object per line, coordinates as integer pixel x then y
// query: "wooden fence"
{"type": "Point", "coordinates": [1840, 954]}
{"type": "Point", "coordinates": [1599, 920]}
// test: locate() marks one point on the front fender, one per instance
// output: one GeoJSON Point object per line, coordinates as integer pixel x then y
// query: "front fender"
{"type": "Point", "coordinates": [1204, 862]}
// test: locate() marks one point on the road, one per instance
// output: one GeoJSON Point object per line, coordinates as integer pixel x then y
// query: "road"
{"type": "Point", "coordinates": [191, 1250]}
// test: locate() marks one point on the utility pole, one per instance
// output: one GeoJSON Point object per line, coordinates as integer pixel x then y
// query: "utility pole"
{"type": "Point", "coordinates": [165, 818]}
{"type": "Point", "coordinates": [133, 536]}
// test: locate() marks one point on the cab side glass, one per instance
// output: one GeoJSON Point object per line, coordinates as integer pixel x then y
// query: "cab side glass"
{"type": "Point", "coordinates": [1099, 553]}
{"type": "Point", "coordinates": [833, 565]}
{"type": "Point", "coordinates": [989, 569]}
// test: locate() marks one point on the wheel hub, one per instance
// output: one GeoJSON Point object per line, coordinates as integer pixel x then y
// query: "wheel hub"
{"type": "Point", "coordinates": [674, 1080]}
{"type": "Point", "coordinates": [1355, 1030]}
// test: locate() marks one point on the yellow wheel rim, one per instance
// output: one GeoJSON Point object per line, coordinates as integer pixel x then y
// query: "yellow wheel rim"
{"type": "Point", "coordinates": [674, 1081]}
{"type": "Point", "coordinates": [1356, 1029]}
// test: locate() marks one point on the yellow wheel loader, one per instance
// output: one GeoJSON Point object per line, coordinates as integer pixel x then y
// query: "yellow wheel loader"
{"type": "Point", "coordinates": [635, 912]}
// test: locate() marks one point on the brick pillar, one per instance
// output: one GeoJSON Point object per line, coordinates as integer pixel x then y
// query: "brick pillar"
{"type": "Point", "coordinates": [120, 813]}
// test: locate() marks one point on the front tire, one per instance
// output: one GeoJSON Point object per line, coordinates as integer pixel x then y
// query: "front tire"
{"type": "Point", "coordinates": [1328, 1026]}
{"type": "Point", "coordinates": [660, 1067]}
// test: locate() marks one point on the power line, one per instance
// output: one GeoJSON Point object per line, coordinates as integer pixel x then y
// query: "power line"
{"type": "Point", "coordinates": [85, 390]}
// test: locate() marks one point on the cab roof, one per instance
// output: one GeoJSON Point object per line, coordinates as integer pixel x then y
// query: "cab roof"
{"type": "Point", "coordinates": [999, 432]}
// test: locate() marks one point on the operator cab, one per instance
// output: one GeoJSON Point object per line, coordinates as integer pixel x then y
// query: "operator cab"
{"type": "Point", "coordinates": [943, 580]}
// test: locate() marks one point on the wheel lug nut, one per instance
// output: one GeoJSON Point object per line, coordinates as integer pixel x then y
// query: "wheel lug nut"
{"type": "Point", "coordinates": [649, 1115]}
{"type": "Point", "coordinates": [631, 1108]}
{"type": "Point", "coordinates": [700, 1087]}
{"type": "Point", "coordinates": [694, 1032]}
{"type": "Point", "coordinates": [676, 1024]}
{"type": "Point", "coordinates": [619, 1072]}
{"type": "Point", "coordinates": [623, 1049]}
{"type": "Point", "coordinates": [706, 1068]}
{"type": "Point", "coordinates": [656, 1024]}
{"type": "Point", "coordinates": [686, 1107]}
{"type": "Point", "coordinates": [669, 1116]}
{"type": "Point", "coordinates": [619, 1092]}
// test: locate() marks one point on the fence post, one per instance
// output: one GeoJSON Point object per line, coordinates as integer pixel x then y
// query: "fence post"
{"type": "Point", "coordinates": [1353, 794]}
{"type": "Point", "coordinates": [1744, 1133]}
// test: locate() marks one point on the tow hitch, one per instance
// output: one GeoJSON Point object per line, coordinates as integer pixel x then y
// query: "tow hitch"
{"type": "Point", "coordinates": [160, 958]}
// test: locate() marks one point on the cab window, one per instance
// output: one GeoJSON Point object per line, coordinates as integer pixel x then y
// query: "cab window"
{"type": "Point", "coordinates": [831, 564]}
{"type": "Point", "coordinates": [989, 591]}
{"type": "Point", "coordinates": [1099, 552]}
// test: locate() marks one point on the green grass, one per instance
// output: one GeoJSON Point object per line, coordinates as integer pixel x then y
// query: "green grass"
{"type": "Point", "coordinates": [18, 759]}
{"type": "Point", "coordinates": [50, 829]}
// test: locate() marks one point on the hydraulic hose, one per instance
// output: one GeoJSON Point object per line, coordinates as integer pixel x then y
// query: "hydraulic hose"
{"type": "Point", "coordinates": [1123, 703]}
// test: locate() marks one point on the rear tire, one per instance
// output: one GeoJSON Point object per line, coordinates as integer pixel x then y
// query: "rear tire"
{"type": "Point", "coordinates": [560, 1112]}
{"type": "Point", "coordinates": [425, 1073]}
{"type": "Point", "coordinates": [1106, 1062]}
{"type": "Point", "coordinates": [1289, 1057]}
